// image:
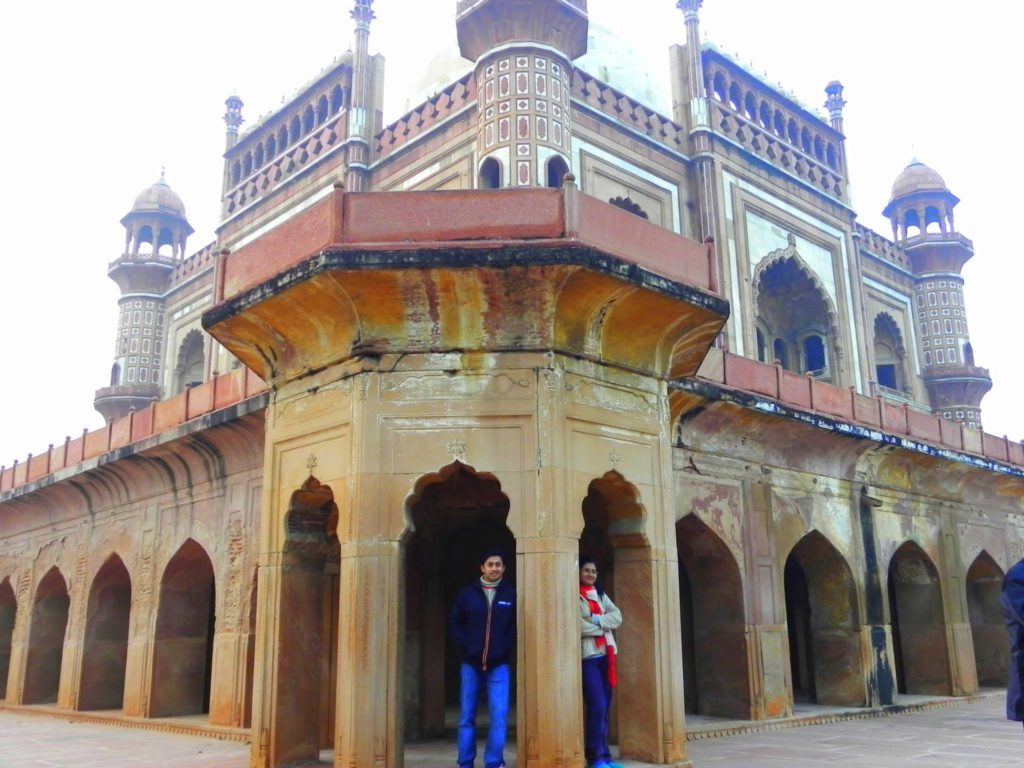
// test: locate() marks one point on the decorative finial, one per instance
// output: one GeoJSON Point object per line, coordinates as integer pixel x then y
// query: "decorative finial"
{"type": "Point", "coordinates": [834, 101]}
{"type": "Point", "coordinates": [363, 13]}
{"type": "Point", "coordinates": [233, 116]}
{"type": "Point", "coordinates": [689, 7]}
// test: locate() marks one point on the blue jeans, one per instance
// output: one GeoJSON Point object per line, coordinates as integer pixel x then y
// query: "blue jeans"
{"type": "Point", "coordinates": [496, 681]}
{"type": "Point", "coordinates": [597, 698]}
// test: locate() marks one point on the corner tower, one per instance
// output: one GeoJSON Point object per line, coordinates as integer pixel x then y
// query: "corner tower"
{"type": "Point", "coordinates": [156, 221]}
{"type": "Point", "coordinates": [921, 212]}
{"type": "Point", "coordinates": [523, 51]}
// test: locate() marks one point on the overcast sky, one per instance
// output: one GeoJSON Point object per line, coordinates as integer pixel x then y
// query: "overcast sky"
{"type": "Point", "coordinates": [98, 97]}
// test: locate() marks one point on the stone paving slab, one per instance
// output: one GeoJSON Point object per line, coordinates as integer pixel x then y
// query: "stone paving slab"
{"type": "Point", "coordinates": [970, 735]}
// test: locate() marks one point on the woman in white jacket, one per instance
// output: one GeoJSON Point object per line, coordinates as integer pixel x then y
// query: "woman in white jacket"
{"type": "Point", "coordinates": [598, 617]}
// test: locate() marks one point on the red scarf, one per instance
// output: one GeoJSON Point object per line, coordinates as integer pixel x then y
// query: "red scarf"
{"type": "Point", "coordinates": [601, 642]}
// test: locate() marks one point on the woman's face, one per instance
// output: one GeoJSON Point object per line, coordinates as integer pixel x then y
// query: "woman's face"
{"type": "Point", "coordinates": [588, 574]}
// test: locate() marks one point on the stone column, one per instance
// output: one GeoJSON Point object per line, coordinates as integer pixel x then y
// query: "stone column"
{"type": "Point", "coordinates": [550, 725]}
{"type": "Point", "coordinates": [369, 645]}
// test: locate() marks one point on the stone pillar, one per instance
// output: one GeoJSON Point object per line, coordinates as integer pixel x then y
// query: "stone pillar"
{"type": "Point", "coordinates": [369, 647]}
{"type": "Point", "coordinates": [875, 638]}
{"type": "Point", "coordinates": [550, 725]}
{"type": "Point", "coordinates": [652, 724]}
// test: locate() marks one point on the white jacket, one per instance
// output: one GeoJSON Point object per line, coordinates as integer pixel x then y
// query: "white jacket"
{"type": "Point", "coordinates": [609, 619]}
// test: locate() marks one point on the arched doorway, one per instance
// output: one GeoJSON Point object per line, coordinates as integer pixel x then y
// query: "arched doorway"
{"type": "Point", "coordinates": [918, 623]}
{"type": "Point", "coordinates": [106, 637]}
{"type": "Point", "coordinates": [8, 611]}
{"type": "Point", "coordinates": [716, 678]}
{"type": "Point", "coordinates": [613, 534]}
{"type": "Point", "coordinates": [823, 624]}
{"type": "Point", "coordinates": [183, 647]}
{"type": "Point", "coordinates": [988, 630]}
{"type": "Point", "coordinates": [46, 639]}
{"type": "Point", "coordinates": [456, 515]}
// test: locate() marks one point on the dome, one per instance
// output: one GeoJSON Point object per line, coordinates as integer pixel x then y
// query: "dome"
{"type": "Point", "coordinates": [627, 67]}
{"type": "Point", "coordinates": [159, 198]}
{"type": "Point", "coordinates": [917, 177]}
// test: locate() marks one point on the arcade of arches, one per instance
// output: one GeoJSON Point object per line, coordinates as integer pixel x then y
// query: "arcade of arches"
{"type": "Point", "coordinates": [774, 603]}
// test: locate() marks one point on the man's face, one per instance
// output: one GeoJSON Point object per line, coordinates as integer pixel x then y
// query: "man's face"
{"type": "Point", "coordinates": [492, 568]}
{"type": "Point", "coordinates": [588, 574]}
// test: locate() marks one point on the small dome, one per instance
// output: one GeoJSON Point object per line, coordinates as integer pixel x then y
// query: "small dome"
{"type": "Point", "coordinates": [159, 198]}
{"type": "Point", "coordinates": [917, 177]}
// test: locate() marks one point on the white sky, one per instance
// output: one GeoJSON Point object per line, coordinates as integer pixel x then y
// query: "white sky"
{"type": "Point", "coordinates": [99, 96]}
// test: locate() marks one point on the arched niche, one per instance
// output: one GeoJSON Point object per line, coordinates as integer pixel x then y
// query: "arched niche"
{"type": "Point", "coordinates": [890, 353]}
{"type": "Point", "coordinates": [984, 586]}
{"type": "Point", "coordinates": [191, 364]}
{"type": "Point", "coordinates": [105, 652]}
{"type": "Point", "coordinates": [789, 299]}
{"type": "Point", "coordinates": [455, 515]}
{"type": "Point", "coordinates": [46, 639]}
{"type": "Point", "coordinates": [918, 623]}
{"type": "Point", "coordinates": [183, 643]}
{"type": "Point", "coordinates": [823, 624]}
{"type": "Point", "coordinates": [716, 676]}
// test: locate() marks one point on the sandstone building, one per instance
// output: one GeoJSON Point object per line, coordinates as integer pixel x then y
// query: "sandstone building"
{"type": "Point", "coordinates": [536, 312]}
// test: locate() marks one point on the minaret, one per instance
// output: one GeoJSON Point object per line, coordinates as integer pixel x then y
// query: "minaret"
{"type": "Point", "coordinates": [233, 120]}
{"type": "Point", "coordinates": [156, 220]}
{"type": "Point", "coordinates": [921, 211]}
{"type": "Point", "coordinates": [359, 122]}
{"type": "Point", "coordinates": [523, 51]}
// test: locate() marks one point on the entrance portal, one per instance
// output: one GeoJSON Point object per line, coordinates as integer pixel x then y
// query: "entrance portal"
{"type": "Point", "coordinates": [457, 515]}
{"type": "Point", "coordinates": [823, 623]}
{"type": "Point", "coordinates": [715, 672]}
{"type": "Point", "coordinates": [46, 639]}
{"type": "Point", "coordinates": [183, 647]}
{"type": "Point", "coordinates": [918, 623]}
{"type": "Point", "coordinates": [988, 631]}
{"type": "Point", "coordinates": [106, 638]}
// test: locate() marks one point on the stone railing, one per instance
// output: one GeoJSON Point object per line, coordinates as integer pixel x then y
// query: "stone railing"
{"type": "Point", "coordinates": [602, 97]}
{"type": "Point", "coordinates": [214, 395]}
{"type": "Point", "coordinates": [322, 141]}
{"type": "Point", "coordinates": [805, 393]}
{"type": "Point", "coordinates": [198, 262]}
{"type": "Point", "coordinates": [938, 237]}
{"type": "Point", "coordinates": [772, 127]}
{"type": "Point", "coordinates": [450, 100]}
{"type": "Point", "coordinates": [882, 247]}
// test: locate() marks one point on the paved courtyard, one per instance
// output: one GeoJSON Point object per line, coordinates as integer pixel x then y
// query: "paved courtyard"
{"type": "Point", "coordinates": [972, 735]}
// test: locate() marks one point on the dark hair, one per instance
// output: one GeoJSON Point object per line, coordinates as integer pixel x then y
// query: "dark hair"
{"type": "Point", "coordinates": [588, 560]}
{"type": "Point", "coordinates": [487, 554]}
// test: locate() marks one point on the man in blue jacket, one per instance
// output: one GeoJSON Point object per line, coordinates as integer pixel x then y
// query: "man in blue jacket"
{"type": "Point", "coordinates": [1013, 610]}
{"type": "Point", "coordinates": [483, 624]}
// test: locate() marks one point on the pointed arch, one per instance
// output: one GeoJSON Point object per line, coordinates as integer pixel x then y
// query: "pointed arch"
{"type": "Point", "coordinates": [984, 585]}
{"type": "Point", "coordinates": [823, 622]}
{"type": "Point", "coordinates": [890, 353]}
{"type": "Point", "coordinates": [716, 677]}
{"type": "Point", "coordinates": [453, 515]}
{"type": "Point", "coordinates": [49, 622]}
{"type": "Point", "coordinates": [105, 652]}
{"type": "Point", "coordinates": [917, 622]}
{"type": "Point", "coordinates": [8, 614]}
{"type": "Point", "coordinates": [183, 643]}
{"type": "Point", "coordinates": [191, 365]}
{"type": "Point", "coordinates": [789, 298]}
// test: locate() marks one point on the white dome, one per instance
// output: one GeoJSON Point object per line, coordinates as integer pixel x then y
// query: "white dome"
{"type": "Point", "coordinates": [640, 74]}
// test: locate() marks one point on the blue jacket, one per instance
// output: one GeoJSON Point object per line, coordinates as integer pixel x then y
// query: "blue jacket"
{"type": "Point", "coordinates": [485, 634]}
{"type": "Point", "coordinates": [1013, 609]}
